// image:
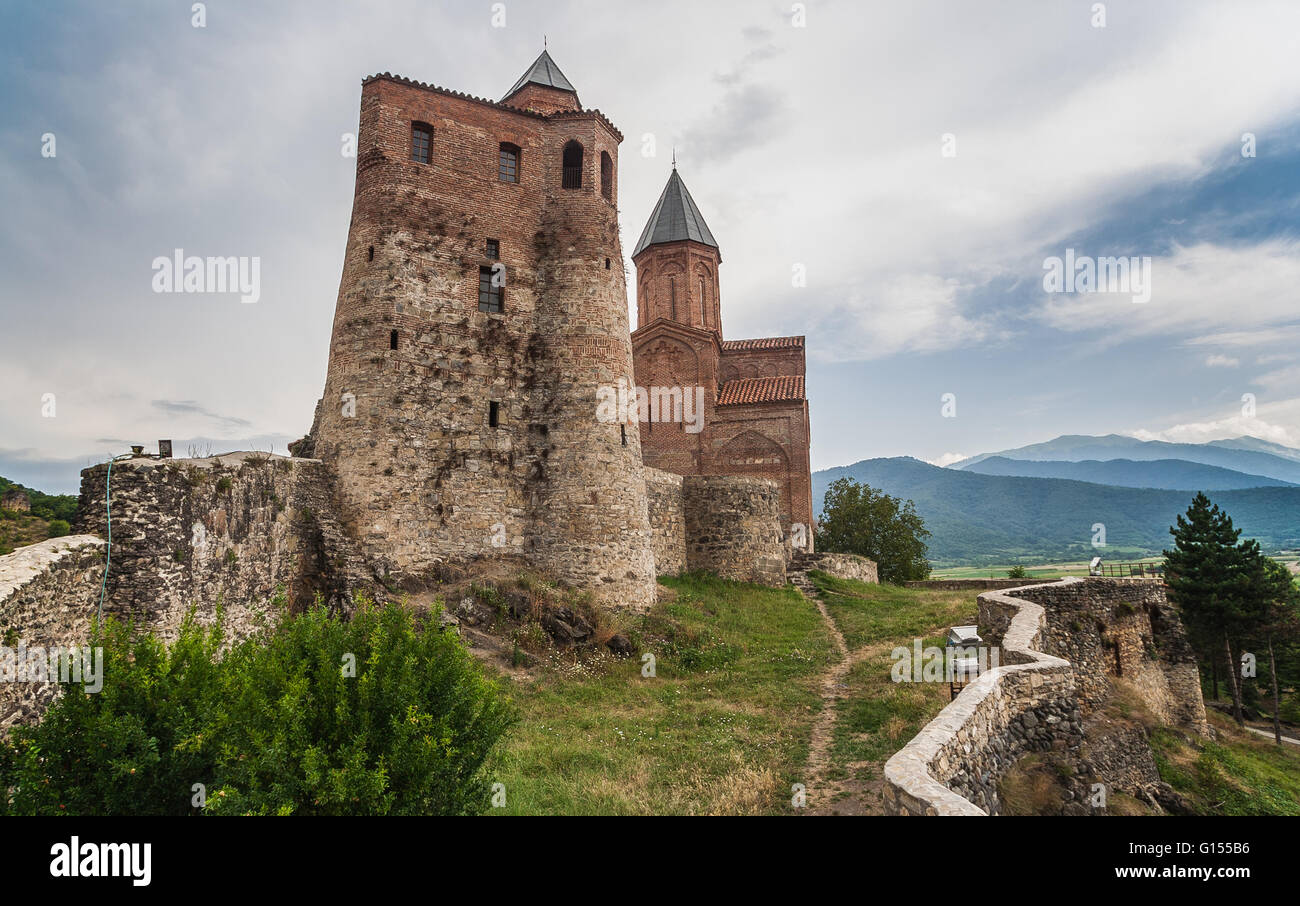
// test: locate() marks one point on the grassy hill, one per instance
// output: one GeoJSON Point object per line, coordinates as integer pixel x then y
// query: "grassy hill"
{"type": "Point", "coordinates": [50, 517]}
{"type": "Point", "coordinates": [998, 519]}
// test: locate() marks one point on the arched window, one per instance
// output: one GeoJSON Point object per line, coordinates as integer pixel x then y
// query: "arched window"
{"type": "Point", "coordinates": [421, 142]}
{"type": "Point", "coordinates": [704, 304]}
{"type": "Point", "coordinates": [508, 170]}
{"type": "Point", "coordinates": [607, 175]}
{"type": "Point", "coordinates": [572, 166]}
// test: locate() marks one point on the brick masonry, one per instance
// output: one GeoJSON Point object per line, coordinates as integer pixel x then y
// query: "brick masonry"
{"type": "Point", "coordinates": [425, 481]}
{"type": "Point", "coordinates": [679, 343]}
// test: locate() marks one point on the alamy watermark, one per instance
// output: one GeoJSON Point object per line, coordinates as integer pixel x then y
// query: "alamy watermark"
{"type": "Point", "coordinates": [183, 273]}
{"type": "Point", "coordinates": [1082, 274]}
{"type": "Point", "coordinates": [653, 404]}
{"type": "Point", "coordinates": [57, 664]}
{"type": "Point", "coordinates": [935, 664]}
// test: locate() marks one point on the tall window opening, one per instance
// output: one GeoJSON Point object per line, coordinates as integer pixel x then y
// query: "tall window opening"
{"type": "Point", "coordinates": [491, 292]}
{"type": "Point", "coordinates": [508, 168]}
{"type": "Point", "coordinates": [421, 141]}
{"type": "Point", "coordinates": [494, 414]}
{"type": "Point", "coordinates": [606, 176]}
{"type": "Point", "coordinates": [572, 162]}
{"type": "Point", "coordinates": [392, 339]}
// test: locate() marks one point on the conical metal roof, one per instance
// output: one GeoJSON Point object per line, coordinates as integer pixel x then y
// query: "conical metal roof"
{"type": "Point", "coordinates": [543, 72]}
{"type": "Point", "coordinates": [675, 218]}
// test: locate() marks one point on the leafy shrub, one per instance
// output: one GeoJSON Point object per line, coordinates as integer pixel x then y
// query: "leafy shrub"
{"type": "Point", "coordinates": [1017, 572]}
{"type": "Point", "coordinates": [276, 726]}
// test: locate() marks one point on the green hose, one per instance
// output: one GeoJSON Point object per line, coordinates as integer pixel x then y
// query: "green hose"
{"type": "Point", "coordinates": [108, 551]}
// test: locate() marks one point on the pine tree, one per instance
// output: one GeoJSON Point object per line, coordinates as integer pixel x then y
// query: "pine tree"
{"type": "Point", "coordinates": [1209, 575]}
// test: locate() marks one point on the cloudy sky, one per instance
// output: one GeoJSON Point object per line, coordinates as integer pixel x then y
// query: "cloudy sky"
{"type": "Point", "coordinates": [917, 162]}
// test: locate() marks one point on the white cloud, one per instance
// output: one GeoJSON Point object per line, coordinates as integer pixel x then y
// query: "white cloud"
{"type": "Point", "coordinates": [1206, 290]}
{"type": "Point", "coordinates": [947, 459]}
{"type": "Point", "coordinates": [906, 313]}
{"type": "Point", "coordinates": [1221, 361]}
{"type": "Point", "coordinates": [1232, 426]}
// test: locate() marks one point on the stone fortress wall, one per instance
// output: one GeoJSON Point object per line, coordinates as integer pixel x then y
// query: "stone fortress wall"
{"type": "Point", "coordinates": [49, 594]}
{"type": "Point", "coordinates": [232, 532]}
{"type": "Point", "coordinates": [1038, 700]}
{"type": "Point", "coordinates": [225, 531]}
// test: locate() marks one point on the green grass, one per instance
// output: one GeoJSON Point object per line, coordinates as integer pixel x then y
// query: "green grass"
{"type": "Point", "coordinates": [877, 716]}
{"type": "Point", "coordinates": [1036, 569]}
{"type": "Point", "coordinates": [876, 613]}
{"type": "Point", "coordinates": [723, 728]}
{"type": "Point", "coordinates": [1236, 774]}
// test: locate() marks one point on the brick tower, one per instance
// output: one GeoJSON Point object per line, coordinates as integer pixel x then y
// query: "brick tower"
{"type": "Point", "coordinates": [482, 305]}
{"type": "Point", "coordinates": [755, 412]}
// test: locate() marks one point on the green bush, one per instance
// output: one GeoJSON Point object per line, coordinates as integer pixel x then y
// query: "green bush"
{"type": "Point", "coordinates": [1017, 572]}
{"type": "Point", "coordinates": [276, 726]}
{"type": "Point", "coordinates": [59, 528]}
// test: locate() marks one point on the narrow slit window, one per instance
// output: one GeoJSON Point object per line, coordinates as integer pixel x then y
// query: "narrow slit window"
{"type": "Point", "coordinates": [623, 431]}
{"type": "Point", "coordinates": [494, 414]}
{"type": "Point", "coordinates": [370, 253]}
{"type": "Point", "coordinates": [421, 141]}
{"type": "Point", "coordinates": [606, 176]}
{"type": "Point", "coordinates": [392, 339]}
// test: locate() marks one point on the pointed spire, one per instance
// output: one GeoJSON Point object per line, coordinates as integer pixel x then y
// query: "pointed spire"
{"type": "Point", "coordinates": [543, 72]}
{"type": "Point", "coordinates": [675, 217]}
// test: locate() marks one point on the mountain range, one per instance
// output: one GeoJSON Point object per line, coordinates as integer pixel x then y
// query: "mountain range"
{"type": "Point", "coordinates": [1043, 501]}
{"type": "Point", "coordinates": [1248, 455]}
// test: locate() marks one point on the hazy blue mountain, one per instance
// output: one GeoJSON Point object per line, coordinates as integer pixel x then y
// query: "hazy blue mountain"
{"type": "Point", "coordinates": [995, 518]}
{"type": "Point", "coordinates": [1128, 473]}
{"type": "Point", "coordinates": [1250, 456]}
{"type": "Point", "coordinates": [1254, 443]}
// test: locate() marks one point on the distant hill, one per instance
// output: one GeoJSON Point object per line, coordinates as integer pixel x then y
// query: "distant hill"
{"type": "Point", "coordinates": [978, 519]}
{"type": "Point", "coordinates": [1127, 473]}
{"type": "Point", "coordinates": [1241, 454]}
{"type": "Point", "coordinates": [48, 513]}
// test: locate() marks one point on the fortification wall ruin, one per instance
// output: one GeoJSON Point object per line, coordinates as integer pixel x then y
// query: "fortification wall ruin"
{"type": "Point", "coordinates": [1039, 699]}
{"type": "Point", "coordinates": [222, 531]}
{"type": "Point", "coordinates": [49, 594]}
{"type": "Point", "coordinates": [1108, 628]}
{"type": "Point", "coordinates": [952, 766]}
